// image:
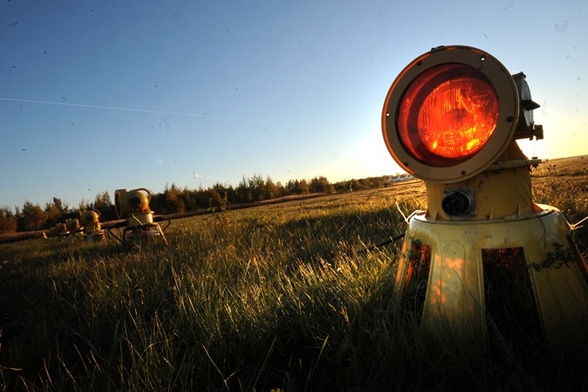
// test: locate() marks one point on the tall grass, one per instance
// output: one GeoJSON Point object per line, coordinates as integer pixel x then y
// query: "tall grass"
{"type": "Point", "coordinates": [292, 297]}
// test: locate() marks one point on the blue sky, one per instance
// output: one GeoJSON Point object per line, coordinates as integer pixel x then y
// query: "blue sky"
{"type": "Point", "coordinates": [102, 95]}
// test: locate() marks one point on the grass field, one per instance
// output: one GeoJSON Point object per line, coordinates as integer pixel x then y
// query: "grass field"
{"type": "Point", "coordinates": [284, 297]}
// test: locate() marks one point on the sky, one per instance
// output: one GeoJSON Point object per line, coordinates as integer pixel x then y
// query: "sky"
{"type": "Point", "coordinates": [103, 95]}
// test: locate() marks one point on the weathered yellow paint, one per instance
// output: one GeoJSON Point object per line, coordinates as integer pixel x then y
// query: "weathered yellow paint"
{"type": "Point", "coordinates": [455, 290]}
{"type": "Point", "coordinates": [130, 202]}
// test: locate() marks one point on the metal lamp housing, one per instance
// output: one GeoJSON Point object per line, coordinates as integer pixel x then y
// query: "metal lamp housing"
{"type": "Point", "coordinates": [508, 114]}
{"type": "Point", "coordinates": [451, 118]}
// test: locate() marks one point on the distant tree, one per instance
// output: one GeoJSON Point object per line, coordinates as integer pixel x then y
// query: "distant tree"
{"type": "Point", "coordinates": [210, 199]}
{"type": "Point", "coordinates": [172, 200]}
{"type": "Point", "coordinates": [257, 187]}
{"type": "Point", "coordinates": [281, 189]}
{"type": "Point", "coordinates": [158, 203]}
{"type": "Point", "coordinates": [271, 190]}
{"type": "Point", "coordinates": [321, 185]}
{"type": "Point", "coordinates": [227, 193]}
{"type": "Point", "coordinates": [365, 183]}
{"type": "Point", "coordinates": [32, 217]}
{"type": "Point", "coordinates": [244, 191]}
{"type": "Point", "coordinates": [379, 182]}
{"type": "Point", "coordinates": [298, 187]}
{"type": "Point", "coordinates": [253, 189]}
{"type": "Point", "coordinates": [8, 223]}
{"type": "Point", "coordinates": [102, 200]}
{"type": "Point", "coordinates": [354, 185]}
{"type": "Point", "coordinates": [190, 199]}
{"type": "Point", "coordinates": [56, 211]}
{"type": "Point", "coordinates": [103, 203]}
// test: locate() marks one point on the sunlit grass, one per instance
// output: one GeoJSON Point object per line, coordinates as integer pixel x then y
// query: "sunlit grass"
{"type": "Point", "coordinates": [288, 297]}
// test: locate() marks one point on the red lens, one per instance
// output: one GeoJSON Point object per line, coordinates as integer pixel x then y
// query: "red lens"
{"type": "Point", "coordinates": [447, 114]}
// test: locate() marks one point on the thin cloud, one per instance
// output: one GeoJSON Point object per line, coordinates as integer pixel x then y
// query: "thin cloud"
{"type": "Point", "coordinates": [82, 105]}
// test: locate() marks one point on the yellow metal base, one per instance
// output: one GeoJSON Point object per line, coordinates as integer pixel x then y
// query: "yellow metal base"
{"type": "Point", "coordinates": [95, 235]}
{"type": "Point", "coordinates": [452, 258]}
{"type": "Point", "coordinates": [140, 219]}
{"type": "Point", "coordinates": [137, 236]}
{"type": "Point", "coordinates": [499, 192]}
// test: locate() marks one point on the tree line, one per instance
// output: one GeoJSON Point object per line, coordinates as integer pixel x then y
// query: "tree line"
{"type": "Point", "coordinates": [174, 199]}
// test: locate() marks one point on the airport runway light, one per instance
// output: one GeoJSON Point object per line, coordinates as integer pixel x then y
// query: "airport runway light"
{"type": "Point", "coordinates": [453, 111]}
{"type": "Point", "coordinates": [133, 206]}
{"type": "Point", "coordinates": [452, 118]}
{"type": "Point", "coordinates": [90, 220]}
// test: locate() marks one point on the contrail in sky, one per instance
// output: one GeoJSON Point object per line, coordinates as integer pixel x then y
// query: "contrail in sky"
{"type": "Point", "coordinates": [81, 105]}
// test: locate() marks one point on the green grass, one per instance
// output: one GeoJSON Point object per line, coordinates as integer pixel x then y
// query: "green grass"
{"type": "Point", "coordinates": [290, 297]}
